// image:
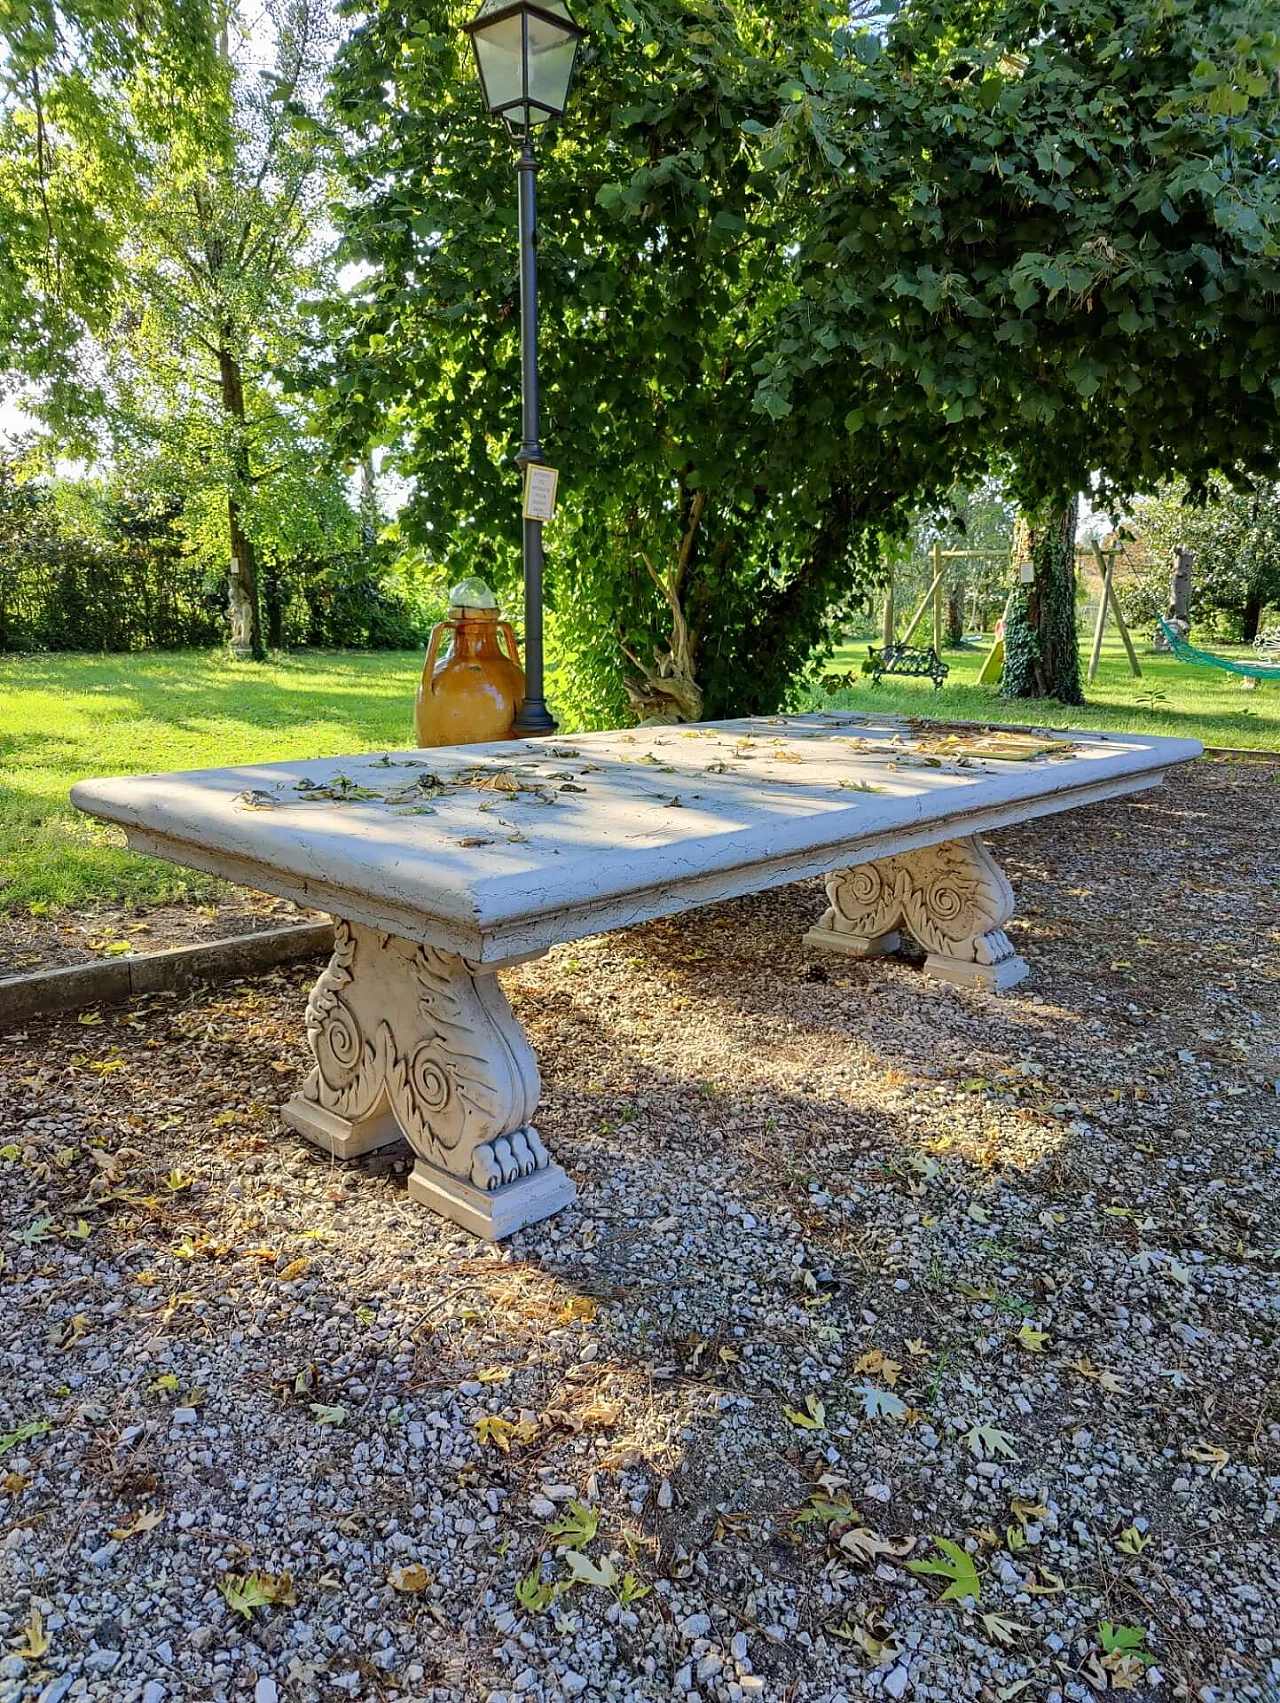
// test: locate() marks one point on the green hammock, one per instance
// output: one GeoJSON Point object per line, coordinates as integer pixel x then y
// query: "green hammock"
{"type": "Point", "coordinates": [1206, 659]}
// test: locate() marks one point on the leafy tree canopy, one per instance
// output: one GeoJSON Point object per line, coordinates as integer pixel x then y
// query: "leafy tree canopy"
{"type": "Point", "coordinates": [1050, 224]}
{"type": "Point", "coordinates": [700, 541]}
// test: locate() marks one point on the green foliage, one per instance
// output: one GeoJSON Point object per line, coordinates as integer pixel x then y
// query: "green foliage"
{"type": "Point", "coordinates": [956, 1566]}
{"type": "Point", "coordinates": [110, 564]}
{"type": "Point", "coordinates": [95, 565]}
{"type": "Point", "coordinates": [192, 207]}
{"type": "Point", "coordinates": [701, 542]}
{"type": "Point", "coordinates": [1235, 536]}
{"type": "Point", "coordinates": [1051, 226]}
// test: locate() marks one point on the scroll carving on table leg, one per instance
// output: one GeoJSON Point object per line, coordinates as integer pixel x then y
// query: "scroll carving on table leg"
{"type": "Point", "coordinates": [954, 898]}
{"type": "Point", "coordinates": [409, 1040]}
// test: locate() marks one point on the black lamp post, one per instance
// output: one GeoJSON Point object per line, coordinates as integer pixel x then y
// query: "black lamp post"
{"type": "Point", "coordinates": [525, 51]}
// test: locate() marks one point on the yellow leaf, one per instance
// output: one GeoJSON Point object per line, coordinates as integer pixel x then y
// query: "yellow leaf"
{"type": "Point", "coordinates": [813, 1416]}
{"type": "Point", "coordinates": [293, 1270]}
{"type": "Point", "coordinates": [243, 1594]}
{"type": "Point", "coordinates": [1212, 1457]}
{"type": "Point", "coordinates": [410, 1581]}
{"type": "Point", "coordinates": [916, 1348]}
{"type": "Point", "coordinates": [580, 1307]}
{"type": "Point", "coordinates": [145, 1520]}
{"type": "Point", "coordinates": [492, 1429]}
{"type": "Point", "coordinates": [35, 1640]}
{"type": "Point", "coordinates": [1027, 1512]}
{"type": "Point", "coordinates": [493, 1375]}
{"type": "Point", "coordinates": [1033, 1340]}
{"type": "Point", "coordinates": [1131, 1541]}
{"type": "Point", "coordinates": [879, 1365]}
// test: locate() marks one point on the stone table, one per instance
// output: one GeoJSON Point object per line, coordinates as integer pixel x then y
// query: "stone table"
{"type": "Point", "coordinates": [440, 867]}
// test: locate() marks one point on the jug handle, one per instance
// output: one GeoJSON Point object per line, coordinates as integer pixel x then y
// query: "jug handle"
{"type": "Point", "coordinates": [505, 628]}
{"type": "Point", "coordinates": [433, 650]}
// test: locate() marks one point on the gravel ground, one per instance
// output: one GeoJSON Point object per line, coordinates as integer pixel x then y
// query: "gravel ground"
{"type": "Point", "coordinates": [868, 1277]}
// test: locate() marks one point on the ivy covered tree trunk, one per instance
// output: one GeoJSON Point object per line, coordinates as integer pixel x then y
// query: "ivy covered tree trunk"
{"type": "Point", "coordinates": [1041, 645]}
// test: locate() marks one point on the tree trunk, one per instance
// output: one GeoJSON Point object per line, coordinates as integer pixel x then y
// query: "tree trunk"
{"type": "Point", "coordinates": [1180, 584]}
{"type": "Point", "coordinates": [242, 580]}
{"type": "Point", "coordinates": [1253, 605]}
{"type": "Point", "coordinates": [273, 603]}
{"type": "Point", "coordinates": [954, 629]}
{"type": "Point", "coordinates": [370, 519]}
{"type": "Point", "coordinates": [1041, 645]}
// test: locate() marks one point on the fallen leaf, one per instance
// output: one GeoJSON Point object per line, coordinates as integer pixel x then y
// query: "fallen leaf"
{"type": "Point", "coordinates": [867, 1547]}
{"type": "Point", "coordinates": [35, 1640]}
{"type": "Point", "coordinates": [23, 1434]}
{"type": "Point", "coordinates": [145, 1520]}
{"type": "Point", "coordinates": [493, 1429]}
{"type": "Point", "coordinates": [879, 1365]}
{"type": "Point", "coordinates": [575, 1526]}
{"type": "Point", "coordinates": [879, 1404]}
{"type": "Point", "coordinates": [1209, 1455]}
{"type": "Point", "coordinates": [989, 1442]}
{"type": "Point", "coordinates": [957, 1566]}
{"type": "Point", "coordinates": [1001, 1630]}
{"type": "Point", "coordinates": [603, 1575]}
{"type": "Point", "coordinates": [244, 1593]}
{"type": "Point", "coordinates": [812, 1417]}
{"type": "Point", "coordinates": [410, 1581]}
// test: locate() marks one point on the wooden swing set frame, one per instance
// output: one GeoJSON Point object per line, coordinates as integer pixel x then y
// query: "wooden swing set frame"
{"type": "Point", "coordinates": [994, 661]}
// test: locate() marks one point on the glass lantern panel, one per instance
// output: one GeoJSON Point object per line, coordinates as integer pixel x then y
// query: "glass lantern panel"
{"type": "Point", "coordinates": [500, 56]}
{"type": "Point", "coordinates": [551, 56]}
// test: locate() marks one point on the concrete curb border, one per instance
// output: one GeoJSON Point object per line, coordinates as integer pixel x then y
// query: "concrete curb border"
{"type": "Point", "coordinates": [1241, 751]}
{"type": "Point", "coordinates": [118, 979]}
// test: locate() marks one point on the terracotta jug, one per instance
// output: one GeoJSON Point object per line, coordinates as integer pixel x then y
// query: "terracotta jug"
{"type": "Point", "coordinates": [472, 692]}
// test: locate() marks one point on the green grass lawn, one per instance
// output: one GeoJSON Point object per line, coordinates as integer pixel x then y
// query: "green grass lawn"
{"type": "Point", "coordinates": [1172, 697]}
{"type": "Point", "coordinates": [64, 718]}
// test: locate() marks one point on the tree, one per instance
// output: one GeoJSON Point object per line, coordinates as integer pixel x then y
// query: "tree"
{"type": "Point", "coordinates": [1235, 537]}
{"type": "Point", "coordinates": [65, 161]}
{"type": "Point", "coordinates": [702, 540]}
{"type": "Point", "coordinates": [206, 257]}
{"type": "Point", "coordinates": [1051, 226]}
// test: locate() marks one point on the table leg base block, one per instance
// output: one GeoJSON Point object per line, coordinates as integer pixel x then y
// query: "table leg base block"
{"type": "Point", "coordinates": [854, 945]}
{"type": "Point", "coordinates": [995, 978]}
{"type": "Point", "coordinates": [339, 1136]}
{"type": "Point", "coordinates": [492, 1213]}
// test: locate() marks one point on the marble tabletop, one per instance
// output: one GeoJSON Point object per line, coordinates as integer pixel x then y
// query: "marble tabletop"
{"type": "Point", "coordinates": [494, 851]}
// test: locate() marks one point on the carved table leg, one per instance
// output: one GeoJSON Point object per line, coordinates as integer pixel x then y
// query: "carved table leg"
{"type": "Point", "coordinates": [954, 898]}
{"type": "Point", "coordinates": [410, 1041]}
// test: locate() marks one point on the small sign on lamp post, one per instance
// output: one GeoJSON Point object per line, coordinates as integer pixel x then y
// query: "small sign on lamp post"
{"type": "Point", "coordinates": [540, 492]}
